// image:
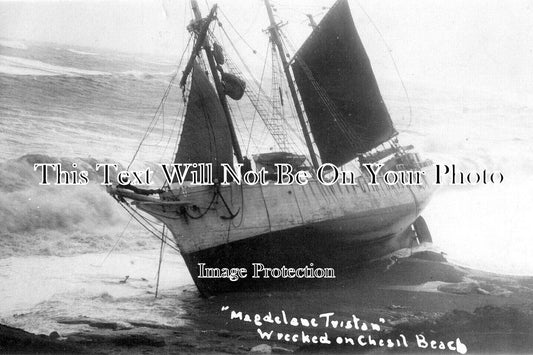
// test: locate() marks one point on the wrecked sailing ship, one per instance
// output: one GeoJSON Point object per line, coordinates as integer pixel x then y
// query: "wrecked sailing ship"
{"type": "Point", "coordinates": [343, 120]}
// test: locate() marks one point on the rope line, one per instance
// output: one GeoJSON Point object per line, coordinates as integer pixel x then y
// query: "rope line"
{"type": "Point", "coordinates": [134, 215]}
{"type": "Point", "coordinates": [157, 114]}
{"type": "Point", "coordinates": [389, 50]}
{"type": "Point", "coordinates": [116, 243]}
{"type": "Point", "coordinates": [260, 86]}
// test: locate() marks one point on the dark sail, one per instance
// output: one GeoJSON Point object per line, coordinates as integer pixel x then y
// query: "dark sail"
{"type": "Point", "coordinates": [205, 137]}
{"type": "Point", "coordinates": [339, 91]}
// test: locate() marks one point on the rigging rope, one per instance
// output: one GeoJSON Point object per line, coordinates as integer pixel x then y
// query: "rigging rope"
{"type": "Point", "coordinates": [338, 118]}
{"type": "Point", "coordinates": [277, 109]}
{"type": "Point", "coordinates": [237, 32]}
{"type": "Point", "coordinates": [255, 103]}
{"type": "Point", "coordinates": [255, 111]}
{"type": "Point", "coordinates": [116, 243]}
{"type": "Point", "coordinates": [174, 126]}
{"type": "Point", "coordinates": [163, 238]}
{"type": "Point", "coordinates": [134, 215]}
{"type": "Point", "coordinates": [156, 116]}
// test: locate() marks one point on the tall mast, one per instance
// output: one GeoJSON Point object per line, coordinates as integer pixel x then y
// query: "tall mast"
{"type": "Point", "coordinates": [274, 33]}
{"type": "Point", "coordinates": [218, 85]}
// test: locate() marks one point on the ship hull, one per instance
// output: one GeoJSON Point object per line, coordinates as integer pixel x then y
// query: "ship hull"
{"type": "Point", "coordinates": [336, 227]}
{"type": "Point", "coordinates": [324, 248]}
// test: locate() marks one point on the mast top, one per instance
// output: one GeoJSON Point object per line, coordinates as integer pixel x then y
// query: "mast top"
{"type": "Point", "coordinates": [196, 9]}
{"type": "Point", "coordinates": [203, 41]}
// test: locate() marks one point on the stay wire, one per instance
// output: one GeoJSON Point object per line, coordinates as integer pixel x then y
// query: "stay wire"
{"type": "Point", "coordinates": [116, 243]}
{"type": "Point", "coordinates": [389, 50]}
{"type": "Point", "coordinates": [132, 214]}
{"type": "Point", "coordinates": [237, 32]}
{"type": "Point", "coordinates": [258, 94]}
{"type": "Point", "coordinates": [252, 76]}
{"type": "Point", "coordinates": [156, 116]}
{"type": "Point", "coordinates": [339, 120]}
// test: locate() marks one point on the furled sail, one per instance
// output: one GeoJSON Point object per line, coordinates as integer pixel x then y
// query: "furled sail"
{"type": "Point", "coordinates": [340, 94]}
{"type": "Point", "coordinates": [205, 136]}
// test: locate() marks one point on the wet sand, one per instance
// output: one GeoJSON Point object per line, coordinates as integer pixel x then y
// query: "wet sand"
{"type": "Point", "coordinates": [410, 297]}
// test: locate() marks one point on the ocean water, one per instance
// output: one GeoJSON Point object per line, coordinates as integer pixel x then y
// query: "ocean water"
{"type": "Point", "coordinates": [69, 106]}
{"type": "Point", "coordinates": [78, 105]}
{"type": "Point", "coordinates": [65, 249]}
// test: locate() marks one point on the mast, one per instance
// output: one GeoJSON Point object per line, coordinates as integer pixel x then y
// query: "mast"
{"type": "Point", "coordinates": [274, 32]}
{"type": "Point", "coordinates": [218, 84]}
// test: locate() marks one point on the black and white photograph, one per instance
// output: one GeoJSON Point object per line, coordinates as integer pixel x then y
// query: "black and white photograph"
{"type": "Point", "coordinates": [266, 176]}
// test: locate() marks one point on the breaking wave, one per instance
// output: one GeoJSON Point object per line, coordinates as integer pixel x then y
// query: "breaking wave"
{"type": "Point", "coordinates": [12, 44]}
{"type": "Point", "coordinates": [30, 67]}
{"type": "Point", "coordinates": [80, 52]}
{"type": "Point", "coordinates": [58, 220]}
{"type": "Point", "coordinates": [137, 74]}
{"type": "Point", "coordinates": [21, 66]}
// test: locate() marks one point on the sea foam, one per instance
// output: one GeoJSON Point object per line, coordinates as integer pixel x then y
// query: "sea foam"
{"type": "Point", "coordinates": [59, 220]}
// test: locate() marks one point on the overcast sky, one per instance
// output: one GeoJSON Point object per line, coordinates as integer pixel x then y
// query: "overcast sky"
{"type": "Point", "coordinates": [485, 44]}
